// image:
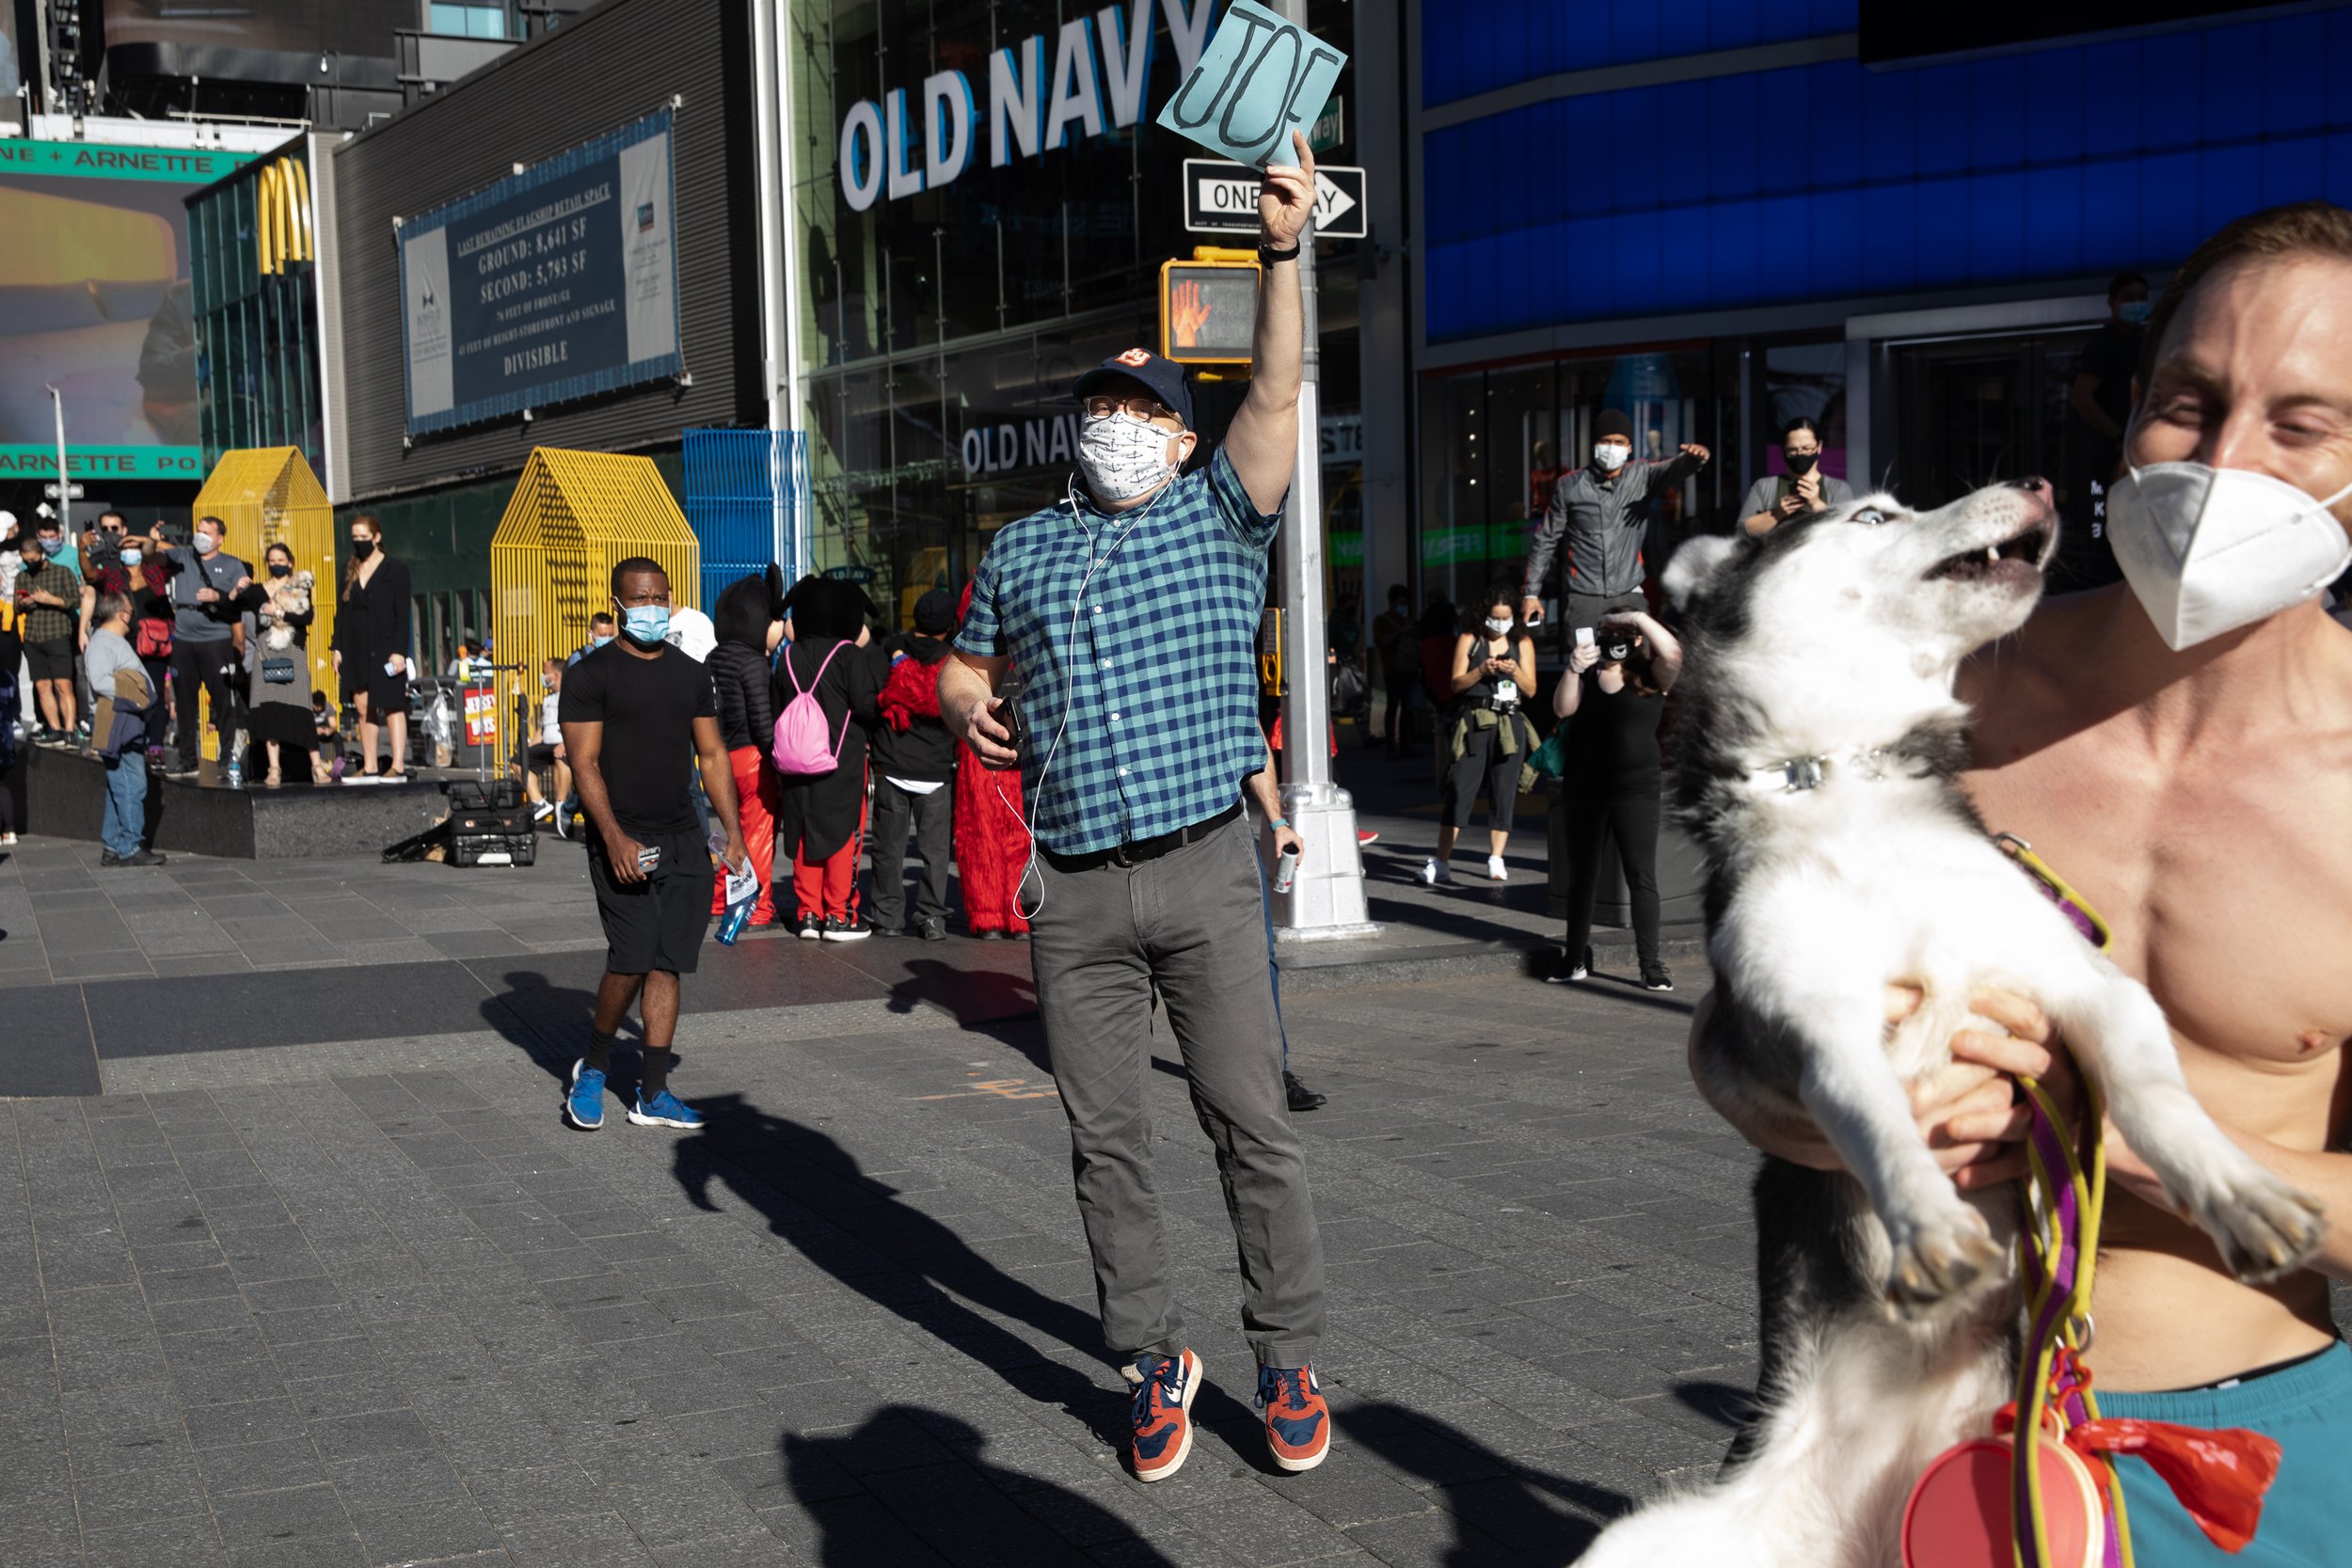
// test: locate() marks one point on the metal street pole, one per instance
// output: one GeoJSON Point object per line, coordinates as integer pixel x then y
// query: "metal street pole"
{"type": "Point", "coordinates": [65, 480]}
{"type": "Point", "coordinates": [1326, 898]}
{"type": "Point", "coordinates": [774, 196]}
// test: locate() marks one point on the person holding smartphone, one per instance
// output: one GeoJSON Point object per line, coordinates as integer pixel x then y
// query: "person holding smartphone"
{"type": "Point", "coordinates": [1486, 739]}
{"type": "Point", "coordinates": [1775, 498]}
{"type": "Point", "coordinates": [636, 716]}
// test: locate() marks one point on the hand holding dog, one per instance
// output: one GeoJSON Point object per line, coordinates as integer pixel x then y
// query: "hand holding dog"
{"type": "Point", "coordinates": [1976, 1123]}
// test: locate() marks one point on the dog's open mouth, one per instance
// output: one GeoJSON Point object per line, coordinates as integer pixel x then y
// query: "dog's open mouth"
{"type": "Point", "coordinates": [2025, 548]}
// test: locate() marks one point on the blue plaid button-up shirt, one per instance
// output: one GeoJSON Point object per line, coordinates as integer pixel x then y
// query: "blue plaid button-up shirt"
{"type": "Point", "coordinates": [1155, 661]}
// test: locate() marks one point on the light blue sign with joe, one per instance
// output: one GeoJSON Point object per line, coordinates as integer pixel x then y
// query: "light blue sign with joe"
{"type": "Point", "coordinates": [1259, 78]}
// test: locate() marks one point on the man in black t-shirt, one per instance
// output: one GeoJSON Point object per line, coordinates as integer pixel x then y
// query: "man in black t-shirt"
{"type": "Point", "coordinates": [2096, 411]}
{"type": "Point", "coordinates": [646, 858]}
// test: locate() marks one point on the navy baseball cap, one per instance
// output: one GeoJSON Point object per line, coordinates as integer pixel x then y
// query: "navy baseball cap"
{"type": "Point", "coordinates": [1164, 377]}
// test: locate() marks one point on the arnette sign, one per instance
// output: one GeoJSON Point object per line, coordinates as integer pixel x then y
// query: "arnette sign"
{"type": "Point", "coordinates": [1100, 71]}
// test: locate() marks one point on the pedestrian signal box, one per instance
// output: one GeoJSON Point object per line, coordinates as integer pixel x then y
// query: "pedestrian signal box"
{"type": "Point", "coordinates": [1209, 307]}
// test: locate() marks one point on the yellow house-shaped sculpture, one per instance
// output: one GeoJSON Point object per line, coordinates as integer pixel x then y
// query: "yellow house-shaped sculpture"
{"type": "Point", "coordinates": [575, 516]}
{"type": "Point", "coordinates": [268, 496]}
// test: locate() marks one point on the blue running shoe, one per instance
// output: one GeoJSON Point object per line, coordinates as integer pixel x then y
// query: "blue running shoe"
{"type": "Point", "coordinates": [1165, 1386]}
{"type": "Point", "coordinates": [665, 1110]}
{"type": "Point", "coordinates": [583, 1103]}
{"type": "Point", "coordinates": [1297, 1422]}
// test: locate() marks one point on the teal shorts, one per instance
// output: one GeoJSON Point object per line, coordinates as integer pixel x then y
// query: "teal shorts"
{"type": "Point", "coordinates": [2306, 1408]}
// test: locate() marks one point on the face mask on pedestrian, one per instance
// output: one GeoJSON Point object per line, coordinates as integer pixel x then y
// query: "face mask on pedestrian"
{"type": "Point", "coordinates": [603, 638]}
{"type": "Point", "coordinates": [646, 625]}
{"type": "Point", "coordinates": [131, 555]}
{"type": "Point", "coordinates": [281, 569]}
{"type": "Point", "coordinates": [1609, 456]}
{"type": "Point", "coordinates": [1801, 463]}
{"type": "Point", "coordinates": [206, 540]}
{"type": "Point", "coordinates": [546, 683]}
{"type": "Point", "coordinates": [1496, 627]}
{"type": "Point", "coordinates": [2132, 312]}
{"type": "Point", "coordinates": [1124, 458]}
{"type": "Point", "coordinates": [362, 549]}
{"type": "Point", "coordinates": [2208, 550]}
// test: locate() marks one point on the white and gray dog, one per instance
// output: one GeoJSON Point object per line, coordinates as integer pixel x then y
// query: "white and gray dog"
{"type": "Point", "coordinates": [1819, 749]}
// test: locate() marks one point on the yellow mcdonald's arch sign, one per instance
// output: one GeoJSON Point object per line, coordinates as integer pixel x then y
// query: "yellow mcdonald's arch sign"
{"type": "Point", "coordinates": [281, 227]}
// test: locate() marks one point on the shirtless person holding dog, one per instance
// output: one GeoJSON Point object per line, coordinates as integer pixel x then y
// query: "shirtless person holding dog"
{"type": "Point", "coordinates": [2178, 747]}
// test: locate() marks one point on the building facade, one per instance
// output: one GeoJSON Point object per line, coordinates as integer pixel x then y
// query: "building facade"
{"type": "Point", "coordinates": [1717, 216]}
{"type": "Point", "coordinates": [982, 208]}
{"type": "Point", "coordinates": [595, 93]}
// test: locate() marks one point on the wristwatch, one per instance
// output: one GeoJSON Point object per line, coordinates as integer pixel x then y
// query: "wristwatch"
{"type": "Point", "coordinates": [1268, 255]}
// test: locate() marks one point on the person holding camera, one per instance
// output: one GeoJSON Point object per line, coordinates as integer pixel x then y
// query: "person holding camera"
{"type": "Point", "coordinates": [1775, 498]}
{"type": "Point", "coordinates": [1486, 740]}
{"type": "Point", "coordinates": [1615, 692]}
{"type": "Point", "coordinates": [1131, 609]}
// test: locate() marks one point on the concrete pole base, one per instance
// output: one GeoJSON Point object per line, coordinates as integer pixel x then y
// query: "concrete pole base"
{"type": "Point", "coordinates": [1326, 899]}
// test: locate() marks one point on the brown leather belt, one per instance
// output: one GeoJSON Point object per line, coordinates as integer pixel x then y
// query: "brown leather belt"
{"type": "Point", "coordinates": [1139, 850]}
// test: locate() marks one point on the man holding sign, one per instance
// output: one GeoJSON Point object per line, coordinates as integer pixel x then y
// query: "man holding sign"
{"type": "Point", "coordinates": [1131, 611]}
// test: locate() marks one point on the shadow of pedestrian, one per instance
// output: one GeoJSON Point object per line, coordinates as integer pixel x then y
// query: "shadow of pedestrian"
{"type": "Point", "coordinates": [816, 1197]}
{"type": "Point", "coordinates": [928, 1495]}
{"type": "Point", "coordinates": [975, 995]}
{"type": "Point", "coordinates": [1502, 1509]}
{"type": "Point", "coordinates": [548, 1022]}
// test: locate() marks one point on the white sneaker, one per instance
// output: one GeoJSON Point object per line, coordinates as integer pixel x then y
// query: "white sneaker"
{"type": "Point", "coordinates": [1433, 872]}
{"type": "Point", "coordinates": [541, 811]}
{"type": "Point", "coordinates": [1496, 870]}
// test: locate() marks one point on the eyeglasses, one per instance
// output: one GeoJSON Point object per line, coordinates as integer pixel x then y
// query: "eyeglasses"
{"type": "Point", "coordinates": [1150, 410]}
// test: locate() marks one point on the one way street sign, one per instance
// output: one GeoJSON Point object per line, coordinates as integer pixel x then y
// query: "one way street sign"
{"type": "Point", "coordinates": [1222, 199]}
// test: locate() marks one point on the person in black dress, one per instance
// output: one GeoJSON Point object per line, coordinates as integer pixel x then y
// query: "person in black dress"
{"type": "Point", "coordinates": [1615, 691]}
{"type": "Point", "coordinates": [370, 644]}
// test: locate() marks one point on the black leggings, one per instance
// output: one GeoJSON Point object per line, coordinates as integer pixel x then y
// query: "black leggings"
{"type": "Point", "coordinates": [1484, 761]}
{"type": "Point", "coordinates": [1633, 821]}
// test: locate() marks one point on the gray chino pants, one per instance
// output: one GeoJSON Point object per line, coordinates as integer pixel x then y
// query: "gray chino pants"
{"type": "Point", "coordinates": [1105, 936]}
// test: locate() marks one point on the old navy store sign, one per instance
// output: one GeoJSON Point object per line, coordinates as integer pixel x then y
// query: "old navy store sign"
{"type": "Point", "coordinates": [1101, 69]}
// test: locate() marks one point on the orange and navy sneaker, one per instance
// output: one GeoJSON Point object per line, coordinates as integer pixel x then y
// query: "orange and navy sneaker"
{"type": "Point", "coordinates": [1297, 1422]}
{"type": "Point", "coordinates": [1165, 1386]}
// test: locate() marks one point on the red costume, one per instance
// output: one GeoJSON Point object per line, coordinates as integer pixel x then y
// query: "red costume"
{"type": "Point", "coordinates": [992, 843]}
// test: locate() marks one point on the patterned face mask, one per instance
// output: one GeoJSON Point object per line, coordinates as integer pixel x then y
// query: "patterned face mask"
{"type": "Point", "coordinates": [1123, 458]}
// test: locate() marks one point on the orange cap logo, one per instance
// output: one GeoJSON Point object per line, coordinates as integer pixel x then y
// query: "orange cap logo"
{"type": "Point", "coordinates": [1136, 356]}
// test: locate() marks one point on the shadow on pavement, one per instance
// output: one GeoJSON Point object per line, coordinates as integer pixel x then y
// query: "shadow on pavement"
{"type": "Point", "coordinates": [1499, 1506]}
{"type": "Point", "coordinates": [931, 1497]}
{"type": "Point", "coordinates": [976, 995]}
{"type": "Point", "coordinates": [816, 1198]}
{"type": "Point", "coordinates": [546, 1021]}
{"type": "Point", "coordinates": [1728, 1407]}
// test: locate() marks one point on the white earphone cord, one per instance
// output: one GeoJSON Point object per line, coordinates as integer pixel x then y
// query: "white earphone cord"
{"type": "Point", "coordinates": [1069, 693]}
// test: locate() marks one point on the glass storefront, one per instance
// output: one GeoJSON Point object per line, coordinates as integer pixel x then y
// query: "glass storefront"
{"type": "Point", "coordinates": [1494, 441]}
{"type": "Point", "coordinates": [985, 206]}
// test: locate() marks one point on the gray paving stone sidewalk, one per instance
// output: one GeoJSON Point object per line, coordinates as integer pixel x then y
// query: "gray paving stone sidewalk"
{"type": "Point", "coordinates": [62, 918]}
{"type": "Point", "coordinates": [370, 1303]}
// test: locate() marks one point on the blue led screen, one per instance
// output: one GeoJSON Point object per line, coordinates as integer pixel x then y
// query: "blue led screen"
{"type": "Point", "coordinates": [1475, 47]}
{"type": "Point", "coordinates": [1830, 179]}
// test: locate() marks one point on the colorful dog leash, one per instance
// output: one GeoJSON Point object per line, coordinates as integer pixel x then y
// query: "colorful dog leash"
{"type": "Point", "coordinates": [2042, 1492]}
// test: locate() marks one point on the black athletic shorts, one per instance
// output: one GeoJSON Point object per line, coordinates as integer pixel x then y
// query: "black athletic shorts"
{"type": "Point", "coordinates": [52, 660]}
{"type": "Point", "coordinates": [659, 923]}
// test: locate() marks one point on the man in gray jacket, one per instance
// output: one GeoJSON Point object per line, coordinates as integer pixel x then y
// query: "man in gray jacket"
{"type": "Point", "coordinates": [1602, 512]}
{"type": "Point", "coordinates": [1775, 498]}
{"type": "Point", "coordinates": [119, 683]}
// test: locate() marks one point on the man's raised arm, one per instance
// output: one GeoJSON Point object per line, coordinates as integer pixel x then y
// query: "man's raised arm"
{"type": "Point", "coordinates": [1264, 440]}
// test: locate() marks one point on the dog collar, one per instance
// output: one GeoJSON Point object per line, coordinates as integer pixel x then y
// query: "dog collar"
{"type": "Point", "coordinates": [1795, 775]}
